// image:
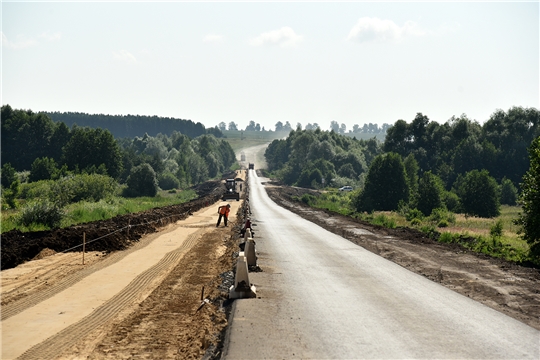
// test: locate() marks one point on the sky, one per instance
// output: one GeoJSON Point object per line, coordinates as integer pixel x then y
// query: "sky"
{"type": "Point", "coordinates": [302, 62]}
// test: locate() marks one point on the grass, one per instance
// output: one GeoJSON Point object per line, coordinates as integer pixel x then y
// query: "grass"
{"type": "Point", "coordinates": [84, 211]}
{"type": "Point", "coordinates": [471, 232]}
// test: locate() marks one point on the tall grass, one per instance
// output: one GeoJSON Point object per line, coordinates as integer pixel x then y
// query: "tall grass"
{"type": "Point", "coordinates": [85, 211]}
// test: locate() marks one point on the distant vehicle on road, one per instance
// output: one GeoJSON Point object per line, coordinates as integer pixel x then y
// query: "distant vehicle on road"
{"type": "Point", "coordinates": [346, 188]}
{"type": "Point", "coordinates": [251, 166]}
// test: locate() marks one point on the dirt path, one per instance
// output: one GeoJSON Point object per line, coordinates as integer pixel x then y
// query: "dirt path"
{"type": "Point", "coordinates": [55, 304]}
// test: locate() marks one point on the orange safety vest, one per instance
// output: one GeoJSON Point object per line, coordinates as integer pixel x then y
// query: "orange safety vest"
{"type": "Point", "coordinates": [224, 211]}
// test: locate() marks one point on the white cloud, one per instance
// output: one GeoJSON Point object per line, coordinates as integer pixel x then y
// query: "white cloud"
{"type": "Point", "coordinates": [284, 37]}
{"type": "Point", "coordinates": [51, 37]}
{"type": "Point", "coordinates": [213, 38]}
{"type": "Point", "coordinates": [20, 43]}
{"type": "Point", "coordinates": [375, 29]}
{"type": "Point", "coordinates": [124, 55]}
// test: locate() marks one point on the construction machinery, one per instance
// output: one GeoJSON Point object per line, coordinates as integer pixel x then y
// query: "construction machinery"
{"type": "Point", "coordinates": [231, 193]}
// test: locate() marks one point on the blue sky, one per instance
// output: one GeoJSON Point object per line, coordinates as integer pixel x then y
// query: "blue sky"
{"type": "Point", "coordinates": [352, 62]}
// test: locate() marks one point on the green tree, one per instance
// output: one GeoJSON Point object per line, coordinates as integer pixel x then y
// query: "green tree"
{"type": "Point", "coordinates": [479, 194]}
{"type": "Point", "coordinates": [411, 168]}
{"type": "Point", "coordinates": [88, 147]}
{"type": "Point", "coordinates": [529, 199]}
{"type": "Point", "coordinates": [42, 169]}
{"type": "Point", "coordinates": [386, 185]}
{"type": "Point", "coordinates": [168, 181]}
{"type": "Point", "coordinates": [430, 193]}
{"type": "Point", "coordinates": [9, 175]}
{"type": "Point", "coordinates": [142, 181]}
{"type": "Point", "coordinates": [508, 192]}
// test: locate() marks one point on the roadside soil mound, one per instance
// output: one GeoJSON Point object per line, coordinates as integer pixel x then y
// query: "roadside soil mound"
{"type": "Point", "coordinates": [502, 285]}
{"type": "Point", "coordinates": [115, 234]}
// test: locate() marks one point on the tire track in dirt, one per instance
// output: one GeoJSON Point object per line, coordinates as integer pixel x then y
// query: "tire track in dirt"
{"type": "Point", "coordinates": [54, 346]}
{"type": "Point", "coordinates": [18, 306]}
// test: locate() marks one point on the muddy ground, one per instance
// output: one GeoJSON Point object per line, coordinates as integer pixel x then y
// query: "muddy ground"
{"type": "Point", "coordinates": [504, 286]}
{"type": "Point", "coordinates": [117, 233]}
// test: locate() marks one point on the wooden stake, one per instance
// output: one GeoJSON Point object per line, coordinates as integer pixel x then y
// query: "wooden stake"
{"type": "Point", "coordinates": [83, 245]}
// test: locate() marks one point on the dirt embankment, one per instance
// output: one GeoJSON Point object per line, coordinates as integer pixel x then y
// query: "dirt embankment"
{"type": "Point", "coordinates": [116, 233]}
{"type": "Point", "coordinates": [504, 286]}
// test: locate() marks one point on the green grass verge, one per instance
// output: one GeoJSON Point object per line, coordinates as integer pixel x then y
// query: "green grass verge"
{"type": "Point", "coordinates": [84, 211]}
{"type": "Point", "coordinates": [472, 233]}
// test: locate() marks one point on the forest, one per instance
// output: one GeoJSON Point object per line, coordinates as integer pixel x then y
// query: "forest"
{"type": "Point", "coordinates": [47, 166]}
{"type": "Point", "coordinates": [129, 126]}
{"type": "Point", "coordinates": [423, 167]}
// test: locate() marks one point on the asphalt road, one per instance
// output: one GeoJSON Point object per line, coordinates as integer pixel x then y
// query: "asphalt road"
{"type": "Point", "coordinates": [320, 296]}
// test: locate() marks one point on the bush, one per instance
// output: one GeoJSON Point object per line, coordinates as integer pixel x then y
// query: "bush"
{"type": "Point", "coordinates": [41, 212]}
{"type": "Point", "coordinates": [142, 181]}
{"type": "Point", "coordinates": [496, 230]}
{"type": "Point", "coordinates": [385, 221]}
{"type": "Point", "coordinates": [307, 199]}
{"type": "Point", "coordinates": [446, 237]}
{"type": "Point", "coordinates": [442, 224]}
{"type": "Point", "coordinates": [168, 181]}
{"type": "Point", "coordinates": [441, 214]}
{"type": "Point", "coordinates": [74, 188]}
{"type": "Point", "coordinates": [414, 214]}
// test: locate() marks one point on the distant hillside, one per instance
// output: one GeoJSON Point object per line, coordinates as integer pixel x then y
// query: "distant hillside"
{"type": "Point", "coordinates": [129, 126]}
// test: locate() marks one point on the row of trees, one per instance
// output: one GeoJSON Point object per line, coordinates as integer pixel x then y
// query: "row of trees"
{"type": "Point", "coordinates": [461, 165]}
{"type": "Point", "coordinates": [461, 145]}
{"type": "Point", "coordinates": [51, 151]}
{"type": "Point", "coordinates": [316, 158]}
{"type": "Point", "coordinates": [130, 126]}
{"type": "Point", "coordinates": [334, 126]}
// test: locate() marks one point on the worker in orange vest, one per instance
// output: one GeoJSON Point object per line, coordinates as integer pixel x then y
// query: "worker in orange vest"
{"type": "Point", "coordinates": [223, 211]}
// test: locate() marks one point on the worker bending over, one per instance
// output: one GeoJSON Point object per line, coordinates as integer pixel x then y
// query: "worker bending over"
{"type": "Point", "coordinates": [223, 211]}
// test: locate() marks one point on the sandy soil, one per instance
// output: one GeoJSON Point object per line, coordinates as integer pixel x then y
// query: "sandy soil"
{"type": "Point", "coordinates": [55, 307]}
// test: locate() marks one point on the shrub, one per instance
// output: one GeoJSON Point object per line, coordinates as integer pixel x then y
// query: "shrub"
{"type": "Point", "coordinates": [442, 224]}
{"type": "Point", "coordinates": [496, 230]}
{"type": "Point", "coordinates": [307, 199]}
{"type": "Point", "coordinates": [42, 169]}
{"type": "Point", "coordinates": [416, 222]}
{"type": "Point", "coordinates": [446, 237]}
{"type": "Point", "coordinates": [142, 181]}
{"type": "Point", "coordinates": [414, 214]}
{"type": "Point", "coordinates": [41, 212]}
{"type": "Point", "coordinates": [74, 188]}
{"type": "Point", "coordinates": [168, 181]}
{"type": "Point", "coordinates": [440, 214]}
{"type": "Point", "coordinates": [385, 221]}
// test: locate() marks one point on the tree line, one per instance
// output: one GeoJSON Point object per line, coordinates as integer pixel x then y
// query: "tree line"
{"type": "Point", "coordinates": [369, 128]}
{"type": "Point", "coordinates": [424, 166]}
{"type": "Point", "coordinates": [44, 150]}
{"type": "Point", "coordinates": [130, 126]}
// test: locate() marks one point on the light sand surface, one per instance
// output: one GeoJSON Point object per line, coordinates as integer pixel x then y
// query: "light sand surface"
{"type": "Point", "coordinates": [34, 325]}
